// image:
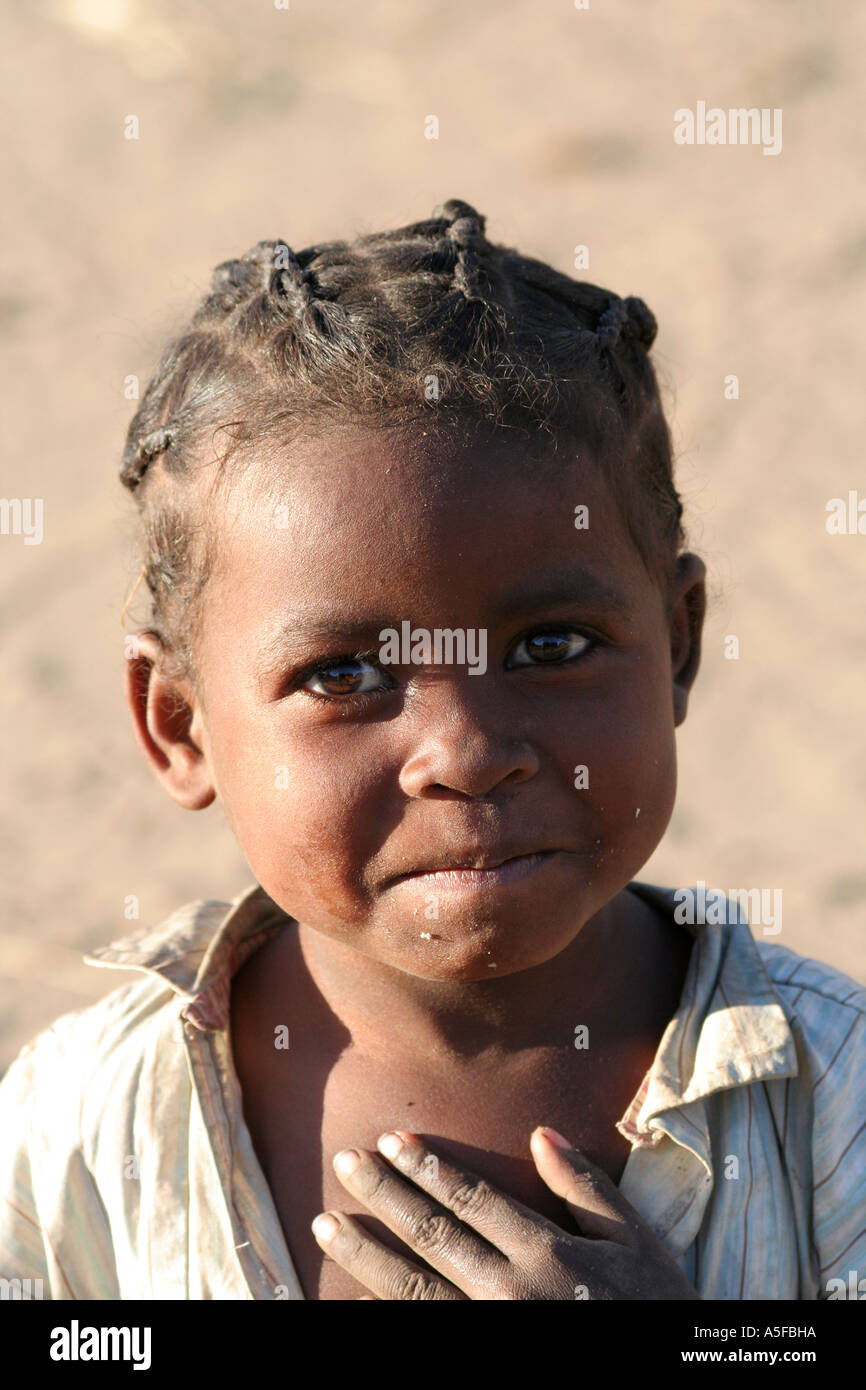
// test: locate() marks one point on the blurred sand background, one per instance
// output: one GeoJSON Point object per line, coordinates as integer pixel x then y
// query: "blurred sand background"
{"type": "Point", "coordinates": [557, 123]}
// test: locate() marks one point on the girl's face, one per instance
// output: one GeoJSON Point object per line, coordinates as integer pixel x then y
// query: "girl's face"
{"type": "Point", "coordinates": [345, 777]}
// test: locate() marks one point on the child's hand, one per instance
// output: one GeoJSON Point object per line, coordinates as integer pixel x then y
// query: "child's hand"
{"type": "Point", "coordinates": [489, 1246]}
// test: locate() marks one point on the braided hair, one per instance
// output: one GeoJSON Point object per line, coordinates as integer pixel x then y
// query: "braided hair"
{"type": "Point", "coordinates": [429, 322]}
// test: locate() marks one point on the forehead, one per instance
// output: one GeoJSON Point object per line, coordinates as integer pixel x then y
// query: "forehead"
{"type": "Point", "coordinates": [413, 479]}
{"type": "Point", "coordinates": [354, 515]}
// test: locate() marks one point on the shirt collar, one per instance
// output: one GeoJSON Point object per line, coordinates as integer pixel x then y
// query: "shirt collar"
{"type": "Point", "coordinates": [197, 950]}
{"type": "Point", "coordinates": [729, 1029]}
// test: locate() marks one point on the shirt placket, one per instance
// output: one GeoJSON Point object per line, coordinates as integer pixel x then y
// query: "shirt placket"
{"type": "Point", "coordinates": [266, 1272]}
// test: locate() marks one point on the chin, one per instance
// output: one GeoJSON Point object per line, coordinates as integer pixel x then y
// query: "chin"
{"type": "Point", "coordinates": [470, 954]}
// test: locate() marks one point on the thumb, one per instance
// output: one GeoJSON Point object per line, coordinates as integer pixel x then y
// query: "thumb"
{"type": "Point", "coordinates": [597, 1207]}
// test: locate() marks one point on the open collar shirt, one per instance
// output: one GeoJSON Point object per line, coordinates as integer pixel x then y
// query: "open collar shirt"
{"type": "Point", "coordinates": [127, 1170]}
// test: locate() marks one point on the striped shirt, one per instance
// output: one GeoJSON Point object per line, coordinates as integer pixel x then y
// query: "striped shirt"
{"type": "Point", "coordinates": [127, 1170]}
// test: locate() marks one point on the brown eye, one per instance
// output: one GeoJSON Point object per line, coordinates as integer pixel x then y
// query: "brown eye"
{"type": "Point", "coordinates": [548, 648]}
{"type": "Point", "coordinates": [348, 677]}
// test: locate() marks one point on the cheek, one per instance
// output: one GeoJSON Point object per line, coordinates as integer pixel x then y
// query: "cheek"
{"type": "Point", "coordinates": [307, 813]}
{"type": "Point", "coordinates": [625, 739]}
{"type": "Point", "coordinates": [635, 791]}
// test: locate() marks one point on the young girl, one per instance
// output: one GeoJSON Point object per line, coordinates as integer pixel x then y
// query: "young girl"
{"type": "Point", "coordinates": [423, 621]}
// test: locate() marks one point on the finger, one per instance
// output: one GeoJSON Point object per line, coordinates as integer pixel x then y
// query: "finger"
{"type": "Point", "coordinates": [390, 1276]}
{"type": "Point", "coordinates": [598, 1207]}
{"type": "Point", "coordinates": [506, 1224]}
{"type": "Point", "coordinates": [431, 1231]}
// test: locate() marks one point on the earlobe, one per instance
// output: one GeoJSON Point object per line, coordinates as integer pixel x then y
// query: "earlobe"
{"type": "Point", "coordinates": [164, 716]}
{"type": "Point", "coordinates": [687, 623]}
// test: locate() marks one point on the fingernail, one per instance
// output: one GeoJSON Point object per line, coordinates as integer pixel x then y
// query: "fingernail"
{"type": "Point", "coordinates": [347, 1160]}
{"type": "Point", "coordinates": [325, 1226]}
{"type": "Point", "coordinates": [555, 1137]}
{"type": "Point", "coordinates": [389, 1144]}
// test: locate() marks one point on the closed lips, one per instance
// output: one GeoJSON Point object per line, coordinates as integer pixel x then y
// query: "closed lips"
{"type": "Point", "coordinates": [478, 862]}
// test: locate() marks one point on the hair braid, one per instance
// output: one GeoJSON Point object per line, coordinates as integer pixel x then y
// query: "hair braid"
{"type": "Point", "coordinates": [465, 227]}
{"type": "Point", "coordinates": [629, 315]}
{"type": "Point", "coordinates": [287, 340]}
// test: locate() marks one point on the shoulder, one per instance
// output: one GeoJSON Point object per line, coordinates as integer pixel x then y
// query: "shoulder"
{"type": "Point", "coordinates": [83, 1055]}
{"type": "Point", "coordinates": [69, 1096]}
{"type": "Point", "coordinates": [85, 1098]}
{"type": "Point", "coordinates": [814, 995]}
{"type": "Point", "coordinates": [89, 1051]}
{"type": "Point", "coordinates": [826, 1010]}
{"type": "Point", "coordinates": [824, 1111]}
{"type": "Point", "coordinates": [816, 1012]}
{"type": "Point", "coordinates": [799, 978]}
{"type": "Point", "coordinates": [827, 1013]}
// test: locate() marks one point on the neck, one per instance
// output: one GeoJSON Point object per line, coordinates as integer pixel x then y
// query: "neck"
{"type": "Point", "coordinates": [387, 1010]}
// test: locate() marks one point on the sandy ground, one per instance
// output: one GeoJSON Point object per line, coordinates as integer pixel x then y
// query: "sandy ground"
{"type": "Point", "coordinates": [308, 124]}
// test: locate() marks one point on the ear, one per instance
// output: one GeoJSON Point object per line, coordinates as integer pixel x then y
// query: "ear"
{"type": "Point", "coordinates": [688, 608]}
{"type": "Point", "coordinates": [167, 722]}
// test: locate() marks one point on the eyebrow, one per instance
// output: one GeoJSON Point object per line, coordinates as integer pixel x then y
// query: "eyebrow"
{"type": "Point", "coordinates": [312, 626]}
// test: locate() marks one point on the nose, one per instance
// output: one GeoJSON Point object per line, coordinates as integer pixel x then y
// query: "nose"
{"type": "Point", "coordinates": [463, 747]}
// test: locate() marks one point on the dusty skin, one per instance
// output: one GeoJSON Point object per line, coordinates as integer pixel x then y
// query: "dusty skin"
{"type": "Point", "coordinates": [470, 1029]}
{"type": "Point", "coordinates": [563, 136]}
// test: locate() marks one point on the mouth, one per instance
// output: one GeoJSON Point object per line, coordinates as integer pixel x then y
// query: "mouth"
{"type": "Point", "coordinates": [479, 871]}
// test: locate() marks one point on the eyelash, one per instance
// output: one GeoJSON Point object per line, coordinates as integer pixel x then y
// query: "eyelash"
{"type": "Point", "coordinates": [358, 697]}
{"type": "Point", "coordinates": [363, 697]}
